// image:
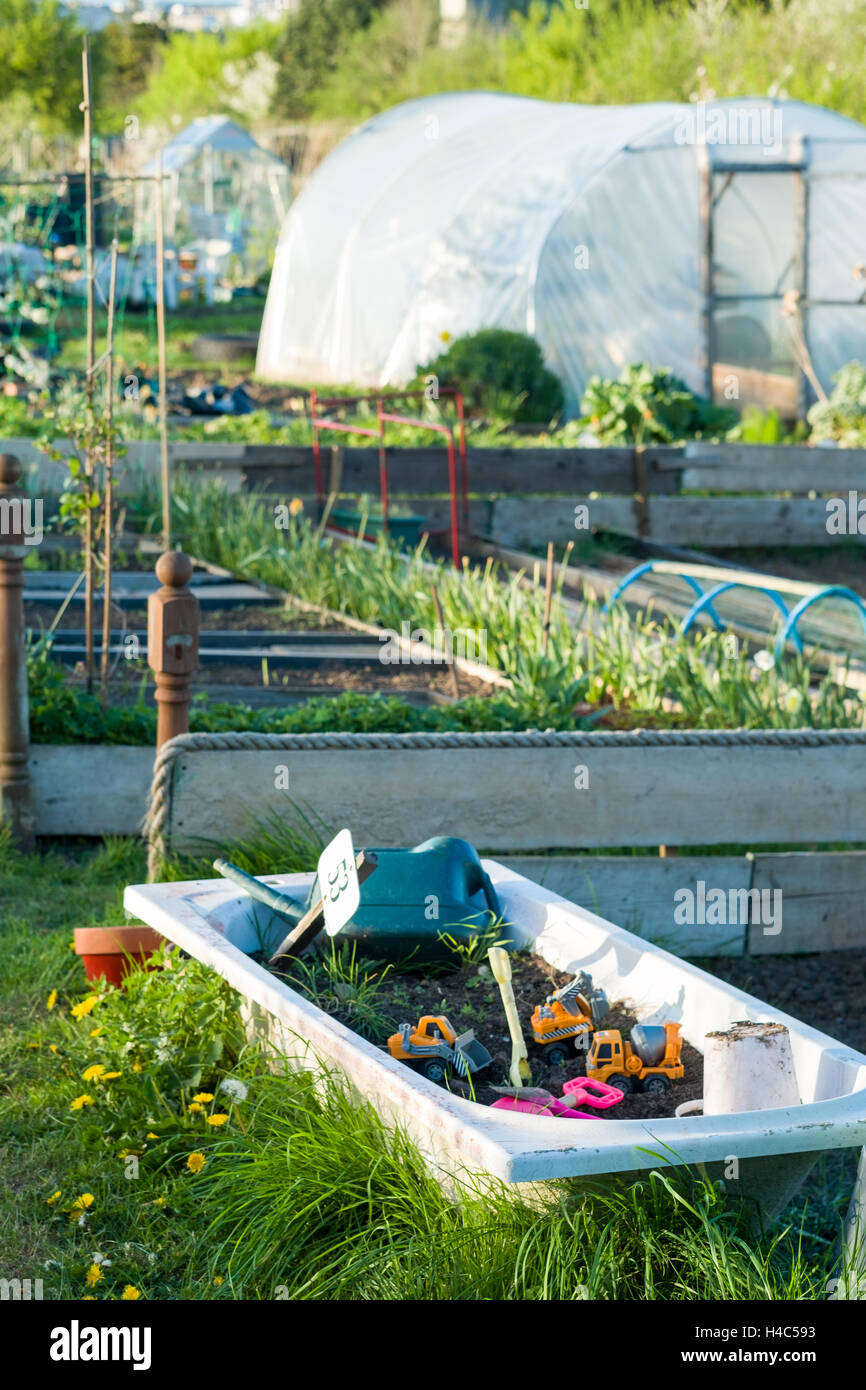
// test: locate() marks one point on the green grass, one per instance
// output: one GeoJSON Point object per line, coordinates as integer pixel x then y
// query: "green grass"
{"type": "Point", "coordinates": [135, 341]}
{"type": "Point", "coordinates": [303, 1193]}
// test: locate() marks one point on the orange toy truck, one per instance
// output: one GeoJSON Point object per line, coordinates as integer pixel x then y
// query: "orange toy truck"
{"type": "Point", "coordinates": [649, 1059]}
{"type": "Point", "coordinates": [568, 1013]}
{"type": "Point", "coordinates": [434, 1048]}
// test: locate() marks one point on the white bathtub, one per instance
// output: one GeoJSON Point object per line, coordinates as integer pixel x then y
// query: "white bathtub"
{"type": "Point", "coordinates": [214, 922]}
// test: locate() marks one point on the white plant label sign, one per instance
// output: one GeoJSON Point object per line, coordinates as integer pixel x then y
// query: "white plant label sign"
{"type": "Point", "coordinates": [338, 882]}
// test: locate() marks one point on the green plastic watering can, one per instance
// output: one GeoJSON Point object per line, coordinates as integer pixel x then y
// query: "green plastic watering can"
{"type": "Point", "coordinates": [415, 897]}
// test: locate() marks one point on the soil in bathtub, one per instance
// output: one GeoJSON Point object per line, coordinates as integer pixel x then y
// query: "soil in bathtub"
{"type": "Point", "coordinates": [373, 999]}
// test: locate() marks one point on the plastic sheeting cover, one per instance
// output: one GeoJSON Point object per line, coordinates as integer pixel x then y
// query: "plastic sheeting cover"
{"type": "Point", "coordinates": [579, 225]}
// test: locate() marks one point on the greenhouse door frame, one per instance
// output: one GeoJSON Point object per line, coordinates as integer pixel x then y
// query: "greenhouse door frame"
{"type": "Point", "coordinates": [798, 169]}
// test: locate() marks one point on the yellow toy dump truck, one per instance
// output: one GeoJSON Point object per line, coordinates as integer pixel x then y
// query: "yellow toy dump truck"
{"type": "Point", "coordinates": [434, 1048]}
{"type": "Point", "coordinates": [568, 1013]}
{"type": "Point", "coordinates": [649, 1059]}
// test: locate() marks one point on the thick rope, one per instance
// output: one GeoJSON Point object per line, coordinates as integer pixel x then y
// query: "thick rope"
{"type": "Point", "coordinates": [169, 755]}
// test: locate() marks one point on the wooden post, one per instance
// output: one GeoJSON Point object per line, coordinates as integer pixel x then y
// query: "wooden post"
{"type": "Point", "coordinates": [161, 363]}
{"type": "Point", "coordinates": [17, 809]}
{"type": "Point", "coordinates": [172, 643]}
{"type": "Point", "coordinates": [707, 280]}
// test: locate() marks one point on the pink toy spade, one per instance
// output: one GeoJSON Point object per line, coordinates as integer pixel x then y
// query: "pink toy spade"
{"type": "Point", "coordinates": [534, 1100]}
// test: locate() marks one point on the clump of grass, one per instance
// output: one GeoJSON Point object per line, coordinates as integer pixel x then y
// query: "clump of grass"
{"type": "Point", "coordinates": [288, 843]}
{"type": "Point", "coordinates": [474, 951]}
{"type": "Point", "coordinates": [338, 983]}
{"type": "Point", "coordinates": [373, 1223]}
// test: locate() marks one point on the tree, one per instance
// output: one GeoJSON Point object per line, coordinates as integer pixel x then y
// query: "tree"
{"type": "Point", "coordinates": [125, 57]}
{"type": "Point", "coordinates": [40, 59]}
{"type": "Point", "coordinates": [207, 74]}
{"type": "Point", "coordinates": [399, 56]}
{"type": "Point", "coordinates": [316, 38]}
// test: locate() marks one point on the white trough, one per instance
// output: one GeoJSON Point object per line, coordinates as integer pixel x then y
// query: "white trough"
{"type": "Point", "coordinates": [215, 923]}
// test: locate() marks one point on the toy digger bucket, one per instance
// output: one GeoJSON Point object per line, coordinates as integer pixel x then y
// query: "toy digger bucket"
{"type": "Point", "coordinates": [469, 1054]}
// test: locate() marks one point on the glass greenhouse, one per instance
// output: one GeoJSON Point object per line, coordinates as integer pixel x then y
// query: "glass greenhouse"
{"type": "Point", "coordinates": [224, 198]}
{"type": "Point", "coordinates": [723, 240]}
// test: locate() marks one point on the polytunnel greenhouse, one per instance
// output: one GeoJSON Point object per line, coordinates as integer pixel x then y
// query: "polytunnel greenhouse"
{"type": "Point", "coordinates": [716, 239]}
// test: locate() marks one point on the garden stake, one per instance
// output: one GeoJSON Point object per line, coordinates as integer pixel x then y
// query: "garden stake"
{"type": "Point", "coordinates": [452, 669]}
{"type": "Point", "coordinates": [89, 379]}
{"type": "Point", "coordinates": [519, 1073]}
{"type": "Point", "coordinates": [548, 599]}
{"type": "Point", "coordinates": [109, 478]}
{"type": "Point", "coordinates": [162, 372]}
{"type": "Point", "coordinates": [306, 931]}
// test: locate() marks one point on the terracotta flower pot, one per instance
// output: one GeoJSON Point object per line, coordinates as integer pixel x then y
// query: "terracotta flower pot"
{"type": "Point", "coordinates": [111, 951]}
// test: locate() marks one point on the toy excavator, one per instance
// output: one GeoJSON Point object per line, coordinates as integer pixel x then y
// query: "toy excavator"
{"type": "Point", "coordinates": [434, 1048]}
{"type": "Point", "coordinates": [570, 1012]}
{"type": "Point", "coordinates": [649, 1060]}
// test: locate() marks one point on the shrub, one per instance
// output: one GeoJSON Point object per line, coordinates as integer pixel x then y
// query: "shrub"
{"type": "Point", "coordinates": [500, 373]}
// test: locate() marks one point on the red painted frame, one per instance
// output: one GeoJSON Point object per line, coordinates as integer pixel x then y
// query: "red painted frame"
{"type": "Point", "coordinates": [333, 402]}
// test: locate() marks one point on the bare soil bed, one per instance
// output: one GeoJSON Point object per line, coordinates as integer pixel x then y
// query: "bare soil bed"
{"type": "Point", "coordinates": [432, 684]}
{"type": "Point", "coordinates": [469, 997]}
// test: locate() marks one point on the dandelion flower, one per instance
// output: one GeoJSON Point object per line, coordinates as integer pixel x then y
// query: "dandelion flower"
{"type": "Point", "coordinates": [130, 1293]}
{"type": "Point", "coordinates": [236, 1089]}
{"type": "Point", "coordinates": [204, 1096]}
{"type": "Point", "coordinates": [218, 1279]}
{"type": "Point", "coordinates": [216, 1119]}
{"type": "Point", "coordinates": [295, 506]}
{"type": "Point", "coordinates": [94, 1274]}
{"type": "Point", "coordinates": [93, 1073]}
{"type": "Point", "coordinates": [53, 1198]}
{"type": "Point", "coordinates": [110, 1075]}
{"type": "Point", "coordinates": [136, 1066]}
{"type": "Point", "coordinates": [160, 1201]}
{"type": "Point", "coordinates": [194, 1108]}
{"type": "Point", "coordinates": [51, 1000]}
{"type": "Point", "coordinates": [83, 1202]}
{"type": "Point", "coordinates": [196, 1162]}
{"type": "Point", "coordinates": [85, 1007]}
{"type": "Point", "coordinates": [80, 1101]}
{"type": "Point", "coordinates": [150, 1135]}
{"type": "Point", "coordinates": [95, 1032]}
{"type": "Point", "coordinates": [53, 1047]}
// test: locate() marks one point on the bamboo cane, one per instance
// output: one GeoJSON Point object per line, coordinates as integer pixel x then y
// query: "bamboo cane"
{"type": "Point", "coordinates": [548, 599]}
{"type": "Point", "coordinates": [109, 469]}
{"type": "Point", "coordinates": [162, 372]}
{"type": "Point", "coordinates": [87, 108]}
